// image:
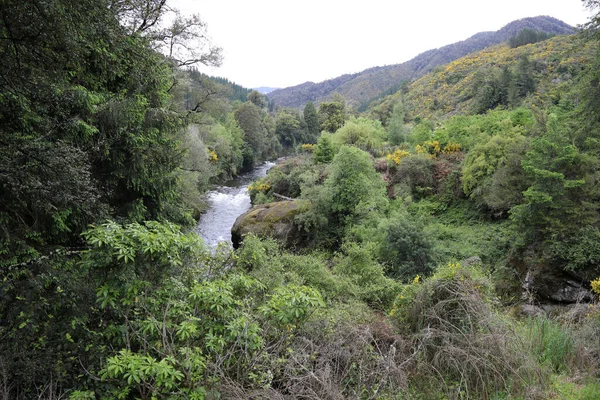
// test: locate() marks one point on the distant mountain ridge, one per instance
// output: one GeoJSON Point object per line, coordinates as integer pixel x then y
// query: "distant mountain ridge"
{"type": "Point", "coordinates": [265, 89]}
{"type": "Point", "coordinates": [362, 87]}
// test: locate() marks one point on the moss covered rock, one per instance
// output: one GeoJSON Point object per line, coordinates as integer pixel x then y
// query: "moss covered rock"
{"type": "Point", "coordinates": [274, 220]}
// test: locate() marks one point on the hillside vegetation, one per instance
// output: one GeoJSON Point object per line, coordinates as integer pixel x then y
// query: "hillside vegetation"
{"type": "Point", "coordinates": [361, 88]}
{"type": "Point", "coordinates": [472, 84]}
{"type": "Point", "coordinates": [447, 241]}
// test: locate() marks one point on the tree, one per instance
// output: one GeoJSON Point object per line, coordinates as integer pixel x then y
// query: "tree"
{"type": "Point", "coordinates": [196, 92]}
{"type": "Point", "coordinates": [258, 99]}
{"type": "Point", "coordinates": [355, 186]}
{"type": "Point", "coordinates": [395, 128]}
{"type": "Point", "coordinates": [312, 123]}
{"type": "Point", "coordinates": [364, 133]}
{"type": "Point", "coordinates": [415, 172]}
{"type": "Point", "coordinates": [589, 110]}
{"type": "Point", "coordinates": [405, 249]}
{"type": "Point", "coordinates": [289, 128]}
{"type": "Point", "coordinates": [185, 41]}
{"type": "Point", "coordinates": [527, 36]}
{"type": "Point", "coordinates": [87, 132]}
{"type": "Point", "coordinates": [325, 151]}
{"type": "Point", "coordinates": [504, 85]}
{"type": "Point", "coordinates": [488, 93]}
{"type": "Point", "coordinates": [94, 103]}
{"type": "Point", "coordinates": [524, 76]}
{"type": "Point", "coordinates": [492, 173]}
{"type": "Point", "coordinates": [352, 191]}
{"type": "Point", "coordinates": [562, 195]}
{"type": "Point", "coordinates": [332, 115]}
{"type": "Point", "coordinates": [249, 118]}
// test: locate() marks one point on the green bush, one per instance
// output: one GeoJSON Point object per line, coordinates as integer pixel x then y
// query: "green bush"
{"type": "Point", "coordinates": [405, 249]}
{"type": "Point", "coordinates": [312, 270]}
{"type": "Point", "coordinates": [364, 133]}
{"type": "Point", "coordinates": [287, 179]}
{"type": "Point", "coordinates": [489, 241]}
{"type": "Point", "coordinates": [367, 279]}
{"type": "Point", "coordinates": [416, 172]}
{"type": "Point", "coordinates": [352, 192]}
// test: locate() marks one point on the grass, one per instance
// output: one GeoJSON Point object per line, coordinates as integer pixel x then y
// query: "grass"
{"type": "Point", "coordinates": [552, 343]}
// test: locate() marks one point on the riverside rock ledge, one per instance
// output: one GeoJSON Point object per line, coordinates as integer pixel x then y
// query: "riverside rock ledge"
{"type": "Point", "coordinates": [275, 220]}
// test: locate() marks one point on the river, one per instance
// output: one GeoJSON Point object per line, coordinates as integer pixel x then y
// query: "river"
{"type": "Point", "coordinates": [225, 204]}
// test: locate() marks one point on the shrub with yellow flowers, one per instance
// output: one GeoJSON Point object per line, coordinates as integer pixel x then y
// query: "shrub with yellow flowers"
{"type": "Point", "coordinates": [397, 156]}
{"type": "Point", "coordinates": [401, 307]}
{"type": "Point", "coordinates": [259, 187]}
{"type": "Point", "coordinates": [451, 148]}
{"type": "Point", "coordinates": [308, 148]}
{"type": "Point", "coordinates": [258, 190]}
{"type": "Point", "coordinates": [596, 286]}
{"type": "Point", "coordinates": [430, 147]}
{"type": "Point", "coordinates": [212, 156]}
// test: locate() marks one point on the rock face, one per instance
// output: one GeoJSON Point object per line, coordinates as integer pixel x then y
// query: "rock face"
{"type": "Point", "coordinates": [552, 286]}
{"type": "Point", "coordinates": [275, 220]}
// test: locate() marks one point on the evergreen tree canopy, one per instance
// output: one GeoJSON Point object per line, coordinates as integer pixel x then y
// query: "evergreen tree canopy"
{"type": "Point", "coordinates": [311, 120]}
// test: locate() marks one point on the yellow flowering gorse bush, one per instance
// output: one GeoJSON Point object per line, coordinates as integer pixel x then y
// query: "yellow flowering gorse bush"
{"type": "Point", "coordinates": [452, 148]}
{"type": "Point", "coordinates": [596, 286]}
{"type": "Point", "coordinates": [259, 187]}
{"type": "Point", "coordinates": [308, 148]}
{"type": "Point", "coordinates": [430, 147]}
{"type": "Point", "coordinates": [397, 156]}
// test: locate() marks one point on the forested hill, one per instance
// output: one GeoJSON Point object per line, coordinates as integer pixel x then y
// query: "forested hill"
{"type": "Point", "coordinates": [361, 88]}
{"type": "Point", "coordinates": [538, 73]}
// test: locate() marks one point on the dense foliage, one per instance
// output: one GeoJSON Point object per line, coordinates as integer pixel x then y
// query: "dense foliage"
{"type": "Point", "coordinates": [528, 36]}
{"type": "Point", "coordinates": [429, 226]}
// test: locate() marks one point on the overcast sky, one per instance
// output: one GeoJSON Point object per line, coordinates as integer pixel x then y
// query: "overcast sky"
{"type": "Point", "coordinates": [282, 43]}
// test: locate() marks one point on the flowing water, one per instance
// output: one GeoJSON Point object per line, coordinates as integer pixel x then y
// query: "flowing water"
{"type": "Point", "coordinates": [225, 204]}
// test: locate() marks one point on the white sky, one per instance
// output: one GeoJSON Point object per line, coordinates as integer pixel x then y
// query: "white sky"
{"type": "Point", "coordinates": [280, 43]}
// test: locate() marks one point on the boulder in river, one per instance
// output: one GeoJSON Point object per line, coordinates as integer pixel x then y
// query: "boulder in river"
{"type": "Point", "coordinates": [275, 220]}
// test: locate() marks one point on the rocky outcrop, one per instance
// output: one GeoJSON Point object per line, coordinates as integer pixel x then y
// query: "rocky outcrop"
{"type": "Point", "coordinates": [548, 285]}
{"type": "Point", "coordinates": [275, 220]}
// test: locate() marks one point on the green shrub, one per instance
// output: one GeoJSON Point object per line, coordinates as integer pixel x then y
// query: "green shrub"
{"type": "Point", "coordinates": [364, 133]}
{"type": "Point", "coordinates": [352, 191]}
{"type": "Point", "coordinates": [564, 388]}
{"type": "Point", "coordinates": [260, 256]}
{"type": "Point", "coordinates": [343, 351]}
{"type": "Point", "coordinates": [416, 171]}
{"type": "Point", "coordinates": [367, 279]}
{"type": "Point", "coordinates": [286, 179]}
{"type": "Point", "coordinates": [312, 270]}
{"type": "Point", "coordinates": [405, 249]}
{"type": "Point", "coordinates": [451, 241]}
